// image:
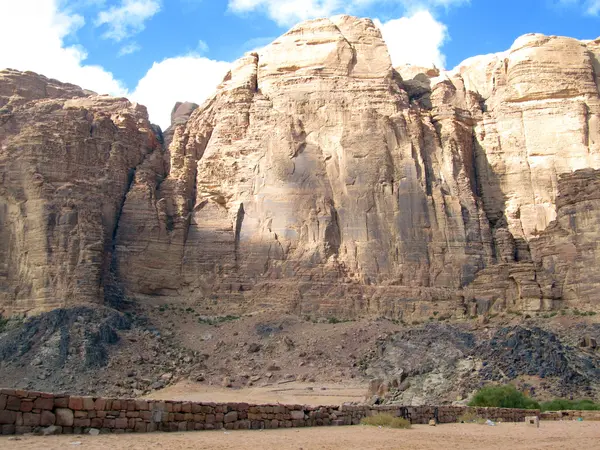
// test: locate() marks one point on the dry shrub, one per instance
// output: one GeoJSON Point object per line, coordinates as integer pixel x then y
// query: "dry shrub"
{"type": "Point", "coordinates": [385, 420]}
{"type": "Point", "coordinates": [471, 417]}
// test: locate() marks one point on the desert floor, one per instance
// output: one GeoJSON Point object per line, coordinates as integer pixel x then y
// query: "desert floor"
{"type": "Point", "coordinates": [289, 393]}
{"type": "Point", "coordinates": [550, 435]}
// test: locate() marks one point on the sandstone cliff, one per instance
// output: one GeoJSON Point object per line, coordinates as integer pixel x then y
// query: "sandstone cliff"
{"type": "Point", "coordinates": [67, 157]}
{"type": "Point", "coordinates": [317, 179]}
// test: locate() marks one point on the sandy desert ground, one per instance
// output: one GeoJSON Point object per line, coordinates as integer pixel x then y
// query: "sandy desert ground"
{"type": "Point", "coordinates": [550, 435]}
{"type": "Point", "coordinates": [285, 393]}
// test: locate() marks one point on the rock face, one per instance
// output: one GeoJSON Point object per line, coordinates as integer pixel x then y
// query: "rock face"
{"type": "Point", "coordinates": [320, 179]}
{"type": "Point", "coordinates": [67, 157]}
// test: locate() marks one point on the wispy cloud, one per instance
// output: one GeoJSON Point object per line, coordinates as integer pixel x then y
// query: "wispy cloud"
{"type": "Point", "coordinates": [589, 7]}
{"type": "Point", "coordinates": [127, 19]}
{"type": "Point", "coordinates": [286, 12]}
{"type": "Point", "coordinates": [202, 47]}
{"type": "Point", "coordinates": [129, 49]}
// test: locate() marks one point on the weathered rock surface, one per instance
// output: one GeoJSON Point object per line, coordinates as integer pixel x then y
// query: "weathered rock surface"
{"type": "Point", "coordinates": [318, 179]}
{"type": "Point", "coordinates": [434, 361]}
{"type": "Point", "coordinates": [67, 157]}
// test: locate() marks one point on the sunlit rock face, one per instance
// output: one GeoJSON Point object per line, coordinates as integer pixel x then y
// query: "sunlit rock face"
{"type": "Point", "coordinates": [320, 179]}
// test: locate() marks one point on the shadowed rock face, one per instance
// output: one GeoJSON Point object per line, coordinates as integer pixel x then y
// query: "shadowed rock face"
{"type": "Point", "coordinates": [320, 179]}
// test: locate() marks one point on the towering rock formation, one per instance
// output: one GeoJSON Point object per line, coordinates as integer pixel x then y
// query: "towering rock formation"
{"type": "Point", "coordinates": [318, 178]}
{"type": "Point", "coordinates": [67, 157]}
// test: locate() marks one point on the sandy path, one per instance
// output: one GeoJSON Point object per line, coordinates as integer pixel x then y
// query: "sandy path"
{"type": "Point", "coordinates": [286, 393]}
{"type": "Point", "coordinates": [550, 435]}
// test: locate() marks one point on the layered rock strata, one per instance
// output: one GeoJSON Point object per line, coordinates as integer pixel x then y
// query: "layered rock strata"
{"type": "Point", "coordinates": [67, 157]}
{"type": "Point", "coordinates": [320, 179]}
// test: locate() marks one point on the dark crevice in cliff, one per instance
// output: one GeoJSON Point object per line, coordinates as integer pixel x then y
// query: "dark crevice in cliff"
{"type": "Point", "coordinates": [238, 230]}
{"type": "Point", "coordinates": [114, 295]}
{"type": "Point", "coordinates": [193, 198]}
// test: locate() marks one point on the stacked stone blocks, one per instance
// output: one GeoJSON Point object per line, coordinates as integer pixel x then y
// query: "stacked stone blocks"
{"type": "Point", "coordinates": [26, 412]}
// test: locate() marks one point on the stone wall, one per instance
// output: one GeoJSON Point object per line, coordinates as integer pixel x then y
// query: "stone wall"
{"type": "Point", "coordinates": [26, 412]}
{"type": "Point", "coordinates": [570, 415]}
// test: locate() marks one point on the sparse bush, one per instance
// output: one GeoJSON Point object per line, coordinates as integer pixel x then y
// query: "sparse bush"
{"type": "Point", "coordinates": [333, 320]}
{"type": "Point", "coordinates": [385, 420]}
{"type": "Point", "coordinates": [563, 404]}
{"type": "Point", "coordinates": [506, 396]}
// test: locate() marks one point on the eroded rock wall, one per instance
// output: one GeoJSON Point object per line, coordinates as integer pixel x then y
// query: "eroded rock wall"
{"type": "Point", "coordinates": [317, 179]}
{"type": "Point", "coordinates": [67, 157]}
{"type": "Point", "coordinates": [310, 173]}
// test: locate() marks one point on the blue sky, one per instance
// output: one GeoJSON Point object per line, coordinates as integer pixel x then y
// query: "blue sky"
{"type": "Point", "coordinates": [159, 51]}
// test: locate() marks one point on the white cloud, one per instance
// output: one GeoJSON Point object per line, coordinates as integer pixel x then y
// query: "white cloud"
{"type": "Point", "coordinates": [589, 7]}
{"type": "Point", "coordinates": [415, 40]}
{"type": "Point", "coordinates": [39, 29]}
{"type": "Point", "coordinates": [185, 78]}
{"type": "Point", "coordinates": [127, 19]}
{"type": "Point", "coordinates": [41, 49]}
{"type": "Point", "coordinates": [129, 49]}
{"type": "Point", "coordinates": [288, 12]}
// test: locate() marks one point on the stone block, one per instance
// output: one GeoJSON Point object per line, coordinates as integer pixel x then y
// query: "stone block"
{"type": "Point", "coordinates": [97, 422]}
{"type": "Point", "coordinates": [13, 403]}
{"type": "Point", "coordinates": [76, 403]}
{"type": "Point", "coordinates": [140, 427]}
{"type": "Point", "coordinates": [121, 423]}
{"type": "Point", "coordinates": [3, 398]}
{"type": "Point", "coordinates": [297, 415]}
{"type": "Point", "coordinates": [533, 421]}
{"type": "Point", "coordinates": [231, 416]}
{"type": "Point", "coordinates": [219, 417]}
{"type": "Point", "coordinates": [23, 429]}
{"type": "Point", "coordinates": [100, 404]}
{"type": "Point", "coordinates": [8, 417]}
{"type": "Point", "coordinates": [81, 423]}
{"type": "Point", "coordinates": [44, 403]}
{"type": "Point", "coordinates": [64, 417]}
{"type": "Point", "coordinates": [7, 429]}
{"type": "Point", "coordinates": [211, 418]}
{"type": "Point", "coordinates": [186, 407]}
{"type": "Point", "coordinates": [141, 405]}
{"type": "Point", "coordinates": [61, 402]}
{"type": "Point", "coordinates": [108, 423]}
{"type": "Point", "coordinates": [80, 414]}
{"type": "Point", "coordinates": [47, 418]}
{"type": "Point", "coordinates": [88, 403]}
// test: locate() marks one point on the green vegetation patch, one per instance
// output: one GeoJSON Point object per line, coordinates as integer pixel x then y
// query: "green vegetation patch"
{"type": "Point", "coordinates": [575, 405]}
{"type": "Point", "coordinates": [506, 396]}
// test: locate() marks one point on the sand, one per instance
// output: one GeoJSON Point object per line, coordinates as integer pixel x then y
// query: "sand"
{"type": "Point", "coordinates": [286, 393]}
{"type": "Point", "coordinates": [550, 435]}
